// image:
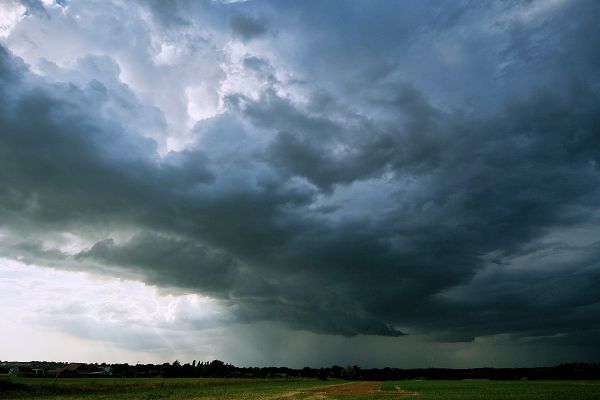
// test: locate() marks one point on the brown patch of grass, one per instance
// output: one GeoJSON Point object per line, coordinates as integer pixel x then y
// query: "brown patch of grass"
{"type": "Point", "coordinates": [358, 388]}
{"type": "Point", "coordinates": [365, 389]}
{"type": "Point", "coordinates": [403, 392]}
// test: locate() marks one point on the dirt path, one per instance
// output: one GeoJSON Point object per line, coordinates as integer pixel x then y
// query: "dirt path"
{"type": "Point", "coordinates": [357, 388]}
{"type": "Point", "coordinates": [365, 389]}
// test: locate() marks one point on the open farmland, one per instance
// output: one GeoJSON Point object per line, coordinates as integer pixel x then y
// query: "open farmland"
{"type": "Point", "coordinates": [491, 390]}
{"type": "Point", "coordinates": [301, 389]}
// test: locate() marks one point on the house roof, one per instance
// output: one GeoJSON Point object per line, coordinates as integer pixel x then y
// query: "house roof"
{"type": "Point", "coordinates": [74, 367]}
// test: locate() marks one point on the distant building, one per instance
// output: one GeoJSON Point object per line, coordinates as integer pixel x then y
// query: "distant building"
{"type": "Point", "coordinates": [21, 370]}
{"type": "Point", "coordinates": [76, 369]}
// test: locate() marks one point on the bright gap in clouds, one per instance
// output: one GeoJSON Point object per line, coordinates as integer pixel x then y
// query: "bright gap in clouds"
{"type": "Point", "coordinates": [10, 12]}
{"type": "Point", "coordinates": [76, 316]}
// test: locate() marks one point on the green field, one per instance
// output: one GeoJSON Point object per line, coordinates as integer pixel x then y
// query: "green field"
{"type": "Point", "coordinates": [514, 390]}
{"type": "Point", "coordinates": [284, 389]}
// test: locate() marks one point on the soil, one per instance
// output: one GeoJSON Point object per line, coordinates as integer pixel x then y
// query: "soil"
{"type": "Point", "coordinates": [357, 388]}
{"type": "Point", "coordinates": [365, 388]}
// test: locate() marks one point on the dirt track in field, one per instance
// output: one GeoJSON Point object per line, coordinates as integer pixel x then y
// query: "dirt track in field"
{"type": "Point", "coordinates": [358, 388]}
{"type": "Point", "coordinates": [363, 389]}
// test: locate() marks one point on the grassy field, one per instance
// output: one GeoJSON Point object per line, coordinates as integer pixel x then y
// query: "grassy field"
{"type": "Point", "coordinates": [514, 390]}
{"type": "Point", "coordinates": [304, 389]}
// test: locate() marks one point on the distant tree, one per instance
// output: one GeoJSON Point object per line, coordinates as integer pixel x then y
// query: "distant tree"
{"type": "Point", "coordinates": [323, 374]}
{"type": "Point", "coordinates": [336, 371]}
{"type": "Point", "coordinates": [351, 372]}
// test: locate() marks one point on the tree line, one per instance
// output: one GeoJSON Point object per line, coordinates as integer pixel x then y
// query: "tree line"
{"type": "Point", "coordinates": [220, 369]}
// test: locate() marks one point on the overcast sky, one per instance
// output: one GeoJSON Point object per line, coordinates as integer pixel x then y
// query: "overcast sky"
{"type": "Point", "coordinates": [392, 183]}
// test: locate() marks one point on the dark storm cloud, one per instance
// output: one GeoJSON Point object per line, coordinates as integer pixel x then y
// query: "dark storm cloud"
{"type": "Point", "coordinates": [248, 27]}
{"type": "Point", "coordinates": [74, 153]}
{"type": "Point", "coordinates": [211, 270]}
{"type": "Point", "coordinates": [376, 205]}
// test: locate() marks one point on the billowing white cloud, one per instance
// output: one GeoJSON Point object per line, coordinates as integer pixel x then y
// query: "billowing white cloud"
{"type": "Point", "coordinates": [78, 316]}
{"type": "Point", "coordinates": [10, 13]}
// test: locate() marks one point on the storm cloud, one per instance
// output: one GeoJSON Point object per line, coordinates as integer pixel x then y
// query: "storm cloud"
{"type": "Point", "coordinates": [392, 169]}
